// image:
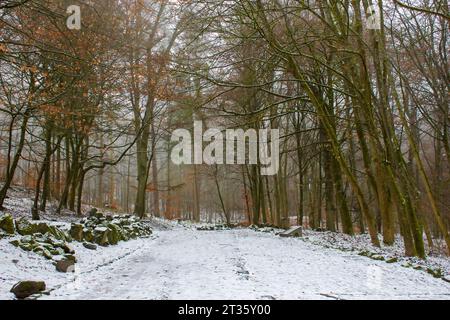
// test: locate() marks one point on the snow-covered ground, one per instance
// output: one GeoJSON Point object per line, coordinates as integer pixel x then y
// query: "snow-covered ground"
{"type": "Point", "coordinates": [181, 263]}
{"type": "Point", "coordinates": [17, 264]}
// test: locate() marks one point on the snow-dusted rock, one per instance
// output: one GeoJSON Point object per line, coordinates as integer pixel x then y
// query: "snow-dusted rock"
{"type": "Point", "coordinates": [76, 231]}
{"type": "Point", "coordinates": [87, 234]}
{"type": "Point", "coordinates": [45, 245]}
{"type": "Point", "coordinates": [7, 224]}
{"type": "Point", "coordinates": [114, 235]}
{"type": "Point", "coordinates": [108, 230]}
{"type": "Point", "coordinates": [292, 232]}
{"type": "Point", "coordinates": [42, 251]}
{"type": "Point", "coordinates": [392, 260]}
{"type": "Point", "coordinates": [89, 246]}
{"type": "Point", "coordinates": [67, 248]}
{"type": "Point", "coordinates": [65, 265]}
{"type": "Point", "coordinates": [25, 227]}
{"type": "Point", "coordinates": [92, 212]}
{"type": "Point", "coordinates": [100, 229]}
{"type": "Point", "coordinates": [101, 236]}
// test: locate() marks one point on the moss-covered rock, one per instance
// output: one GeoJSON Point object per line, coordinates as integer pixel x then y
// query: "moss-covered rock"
{"type": "Point", "coordinates": [366, 253]}
{"type": "Point", "coordinates": [108, 230]}
{"type": "Point", "coordinates": [70, 257]}
{"type": "Point", "coordinates": [57, 251]}
{"type": "Point", "coordinates": [27, 239]}
{"type": "Point", "coordinates": [47, 254]}
{"type": "Point", "coordinates": [45, 245]}
{"type": "Point", "coordinates": [57, 243]}
{"type": "Point", "coordinates": [89, 246]}
{"type": "Point", "coordinates": [377, 257]}
{"type": "Point", "coordinates": [42, 252]}
{"type": "Point", "coordinates": [92, 212]}
{"type": "Point", "coordinates": [67, 249]}
{"type": "Point", "coordinates": [101, 235]}
{"type": "Point", "coordinates": [65, 265]}
{"type": "Point", "coordinates": [25, 246]}
{"type": "Point", "coordinates": [115, 234]}
{"type": "Point", "coordinates": [91, 223]}
{"type": "Point", "coordinates": [88, 234]}
{"type": "Point", "coordinates": [15, 243]}
{"type": "Point", "coordinates": [24, 289]}
{"type": "Point", "coordinates": [7, 224]}
{"type": "Point", "coordinates": [392, 260]}
{"type": "Point", "coordinates": [437, 273]}
{"type": "Point", "coordinates": [124, 235]}
{"type": "Point", "coordinates": [25, 227]}
{"type": "Point", "coordinates": [76, 232]}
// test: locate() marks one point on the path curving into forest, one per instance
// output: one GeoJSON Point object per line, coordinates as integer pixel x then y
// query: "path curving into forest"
{"type": "Point", "coordinates": [242, 264]}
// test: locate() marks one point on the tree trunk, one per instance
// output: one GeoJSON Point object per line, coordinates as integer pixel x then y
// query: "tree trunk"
{"type": "Point", "coordinates": [11, 168]}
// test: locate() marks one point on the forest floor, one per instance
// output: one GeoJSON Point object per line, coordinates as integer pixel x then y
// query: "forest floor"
{"type": "Point", "coordinates": [180, 262]}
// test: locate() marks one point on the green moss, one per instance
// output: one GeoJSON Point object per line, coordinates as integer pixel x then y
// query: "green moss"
{"type": "Point", "coordinates": [392, 260]}
{"type": "Point", "coordinates": [437, 273]}
{"type": "Point", "coordinates": [7, 224]}
{"type": "Point", "coordinates": [377, 257]}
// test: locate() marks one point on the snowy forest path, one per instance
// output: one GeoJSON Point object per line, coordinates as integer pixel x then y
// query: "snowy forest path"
{"type": "Point", "coordinates": [242, 264]}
